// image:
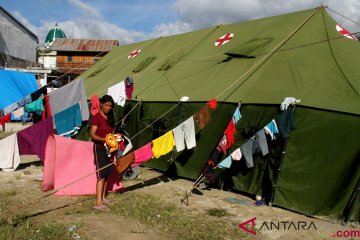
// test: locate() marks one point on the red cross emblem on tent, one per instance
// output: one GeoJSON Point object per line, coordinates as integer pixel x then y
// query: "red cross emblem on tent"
{"type": "Point", "coordinates": [345, 32]}
{"type": "Point", "coordinates": [134, 53]}
{"type": "Point", "coordinates": [224, 39]}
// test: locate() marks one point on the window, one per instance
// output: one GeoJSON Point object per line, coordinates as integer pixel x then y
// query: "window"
{"type": "Point", "coordinates": [69, 58]}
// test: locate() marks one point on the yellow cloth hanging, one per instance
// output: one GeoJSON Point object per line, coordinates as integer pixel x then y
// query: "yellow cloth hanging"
{"type": "Point", "coordinates": [163, 144]}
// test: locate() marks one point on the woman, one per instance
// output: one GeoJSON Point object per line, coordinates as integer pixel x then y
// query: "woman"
{"type": "Point", "coordinates": [101, 124]}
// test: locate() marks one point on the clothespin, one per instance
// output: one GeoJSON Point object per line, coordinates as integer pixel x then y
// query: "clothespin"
{"type": "Point", "coordinates": [239, 104]}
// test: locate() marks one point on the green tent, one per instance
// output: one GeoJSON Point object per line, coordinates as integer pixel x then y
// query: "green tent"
{"type": "Point", "coordinates": [299, 55]}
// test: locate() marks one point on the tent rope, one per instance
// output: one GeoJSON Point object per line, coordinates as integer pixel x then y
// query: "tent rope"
{"type": "Point", "coordinates": [28, 203]}
{"type": "Point", "coordinates": [265, 53]}
{"type": "Point", "coordinates": [140, 74]}
{"type": "Point", "coordinates": [265, 58]}
{"type": "Point", "coordinates": [72, 69]}
{"type": "Point", "coordinates": [337, 63]}
{"type": "Point", "coordinates": [132, 109]}
{"type": "Point", "coordinates": [343, 16]}
{"type": "Point", "coordinates": [155, 120]}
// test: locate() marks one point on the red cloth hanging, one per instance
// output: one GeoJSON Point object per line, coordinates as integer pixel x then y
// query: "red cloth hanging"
{"type": "Point", "coordinates": [95, 105]}
{"type": "Point", "coordinates": [4, 119]}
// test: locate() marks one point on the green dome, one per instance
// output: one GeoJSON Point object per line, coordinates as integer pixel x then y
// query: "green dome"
{"type": "Point", "coordinates": [54, 33]}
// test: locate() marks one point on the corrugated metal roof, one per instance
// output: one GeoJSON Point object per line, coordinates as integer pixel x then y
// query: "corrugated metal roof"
{"type": "Point", "coordinates": [83, 45]}
{"type": "Point", "coordinates": [18, 22]}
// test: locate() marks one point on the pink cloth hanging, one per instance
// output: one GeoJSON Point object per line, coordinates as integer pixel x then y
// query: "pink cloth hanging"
{"type": "Point", "coordinates": [143, 154]}
{"type": "Point", "coordinates": [67, 160]}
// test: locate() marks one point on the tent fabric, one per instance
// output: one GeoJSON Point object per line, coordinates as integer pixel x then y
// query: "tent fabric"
{"type": "Point", "coordinates": [32, 140]}
{"type": "Point", "coordinates": [15, 86]}
{"type": "Point", "coordinates": [299, 54]}
{"type": "Point", "coordinates": [9, 158]}
{"type": "Point", "coordinates": [66, 161]}
{"type": "Point", "coordinates": [315, 158]}
{"type": "Point", "coordinates": [293, 70]}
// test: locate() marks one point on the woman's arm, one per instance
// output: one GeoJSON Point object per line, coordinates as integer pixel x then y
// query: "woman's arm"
{"type": "Point", "coordinates": [93, 136]}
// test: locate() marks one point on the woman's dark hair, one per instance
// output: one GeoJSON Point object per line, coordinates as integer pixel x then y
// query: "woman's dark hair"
{"type": "Point", "coordinates": [110, 115]}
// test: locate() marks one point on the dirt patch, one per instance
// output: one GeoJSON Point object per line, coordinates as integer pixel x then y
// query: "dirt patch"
{"type": "Point", "coordinates": [206, 206]}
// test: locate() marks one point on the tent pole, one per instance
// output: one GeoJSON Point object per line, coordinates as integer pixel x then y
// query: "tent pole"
{"type": "Point", "coordinates": [278, 172]}
{"type": "Point", "coordinates": [355, 208]}
{"type": "Point", "coordinates": [276, 177]}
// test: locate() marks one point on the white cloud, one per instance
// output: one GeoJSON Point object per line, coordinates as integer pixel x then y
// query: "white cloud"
{"type": "Point", "coordinates": [92, 29]}
{"type": "Point", "coordinates": [25, 22]}
{"type": "Point", "coordinates": [166, 29]}
{"type": "Point", "coordinates": [190, 15]}
{"type": "Point", "coordinates": [205, 13]}
{"type": "Point", "coordinates": [88, 10]}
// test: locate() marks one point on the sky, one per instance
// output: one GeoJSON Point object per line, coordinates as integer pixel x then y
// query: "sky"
{"type": "Point", "coordinates": [136, 20]}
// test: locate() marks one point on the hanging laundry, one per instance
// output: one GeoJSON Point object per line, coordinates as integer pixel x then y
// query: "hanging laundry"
{"type": "Point", "coordinates": [4, 119]}
{"type": "Point", "coordinates": [286, 121]}
{"type": "Point", "coordinates": [202, 117]}
{"type": "Point", "coordinates": [67, 96]}
{"type": "Point", "coordinates": [228, 138]}
{"type": "Point", "coordinates": [163, 144]}
{"type": "Point", "coordinates": [272, 129]}
{"type": "Point", "coordinates": [47, 106]}
{"type": "Point", "coordinates": [124, 163]}
{"type": "Point", "coordinates": [95, 105]}
{"type": "Point", "coordinates": [208, 172]}
{"type": "Point", "coordinates": [66, 161]}
{"type": "Point", "coordinates": [129, 87]}
{"type": "Point", "coordinates": [254, 145]}
{"type": "Point", "coordinates": [143, 154]}
{"type": "Point", "coordinates": [9, 157]}
{"type": "Point", "coordinates": [35, 107]}
{"type": "Point", "coordinates": [118, 93]}
{"type": "Point", "coordinates": [32, 140]}
{"type": "Point", "coordinates": [128, 145]}
{"type": "Point", "coordinates": [21, 103]}
{"type": "Point", "coordinates": [41, 91]}
{"type": "Point", "coordinates": [19, 112]}
{"type": "Point", "coordinates": [185, 133]}
{"type": "Point", "coordinates": [237, 115]}
{"type": "Point", "coordinates": [226, 163]}
{"type": "Point", "coordinates": [288, 101]}
{"type": "Point", "coordinates": [212, 103]}
{"type": "Point", "coordinates": [68, 122]}
{"type": "Point", "coordinates": [236, 155]}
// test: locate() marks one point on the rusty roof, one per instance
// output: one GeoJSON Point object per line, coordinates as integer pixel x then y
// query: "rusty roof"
{"type": "Point", "coordinates": [83, 45]}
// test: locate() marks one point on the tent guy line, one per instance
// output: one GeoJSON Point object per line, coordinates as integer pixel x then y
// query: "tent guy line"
{"type": "Point", "coordinates": [263, 60]}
